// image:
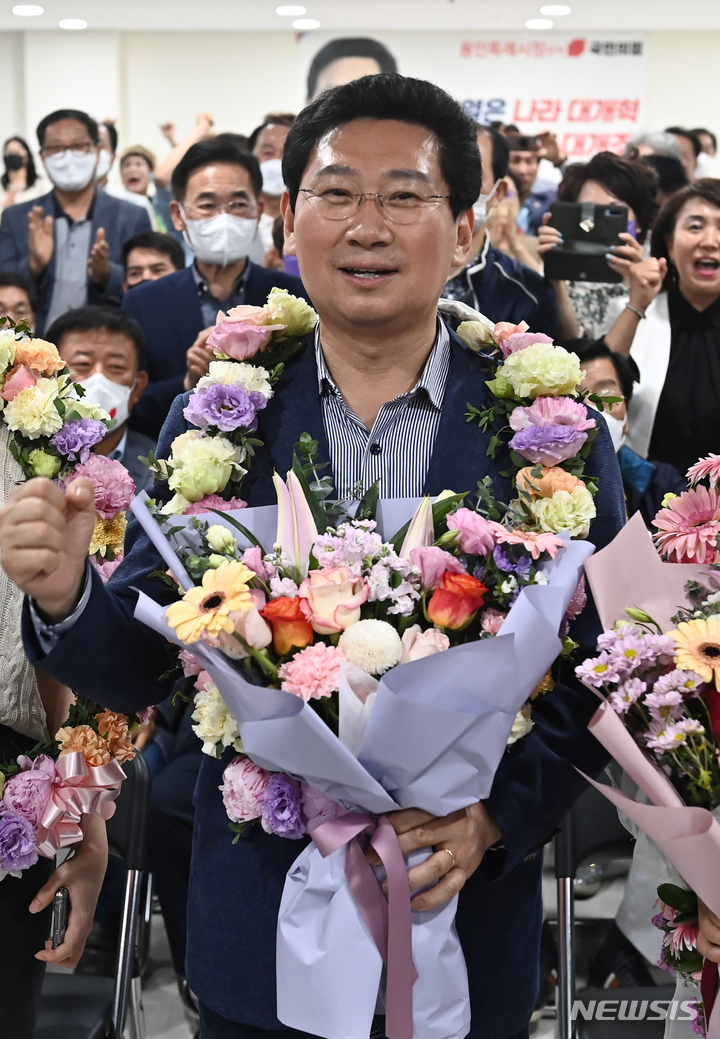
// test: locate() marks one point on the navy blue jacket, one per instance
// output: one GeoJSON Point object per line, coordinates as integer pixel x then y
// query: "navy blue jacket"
{"type": "Point", "coordinates": [171, 317]}
{"type": "Point", "coordinates": [235, 889]}
{"type": "Point", "coordinates": [503, 289]}
{"type": "Point", "coordinates": [120, 220]}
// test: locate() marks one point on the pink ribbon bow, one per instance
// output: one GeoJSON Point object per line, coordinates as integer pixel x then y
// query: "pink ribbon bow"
{"type": "Point", "coordinates": [82, 790]}
{"type": "Point", "coordinates": [388, 919]}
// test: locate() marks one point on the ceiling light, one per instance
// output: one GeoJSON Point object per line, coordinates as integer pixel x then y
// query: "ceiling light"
{"type": "Point", "coordinates": [73, 23]}
{"type": "Point", "coordinates": [555, 9]}
{"type": "Point", "coordinates": [539, 23]}
{"type": "Point", "coordinates": [306, 23]}
{"type": "Point", "coordinates": [28, 10]}
{"type": "Point", "coordinates": [291, 10]}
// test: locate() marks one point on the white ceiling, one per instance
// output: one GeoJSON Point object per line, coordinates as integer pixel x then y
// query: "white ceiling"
{"type": "Point", "coordinates": [358, 16]}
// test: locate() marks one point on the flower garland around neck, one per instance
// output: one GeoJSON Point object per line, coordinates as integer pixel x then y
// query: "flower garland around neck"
{"type": "Point", "coordinates": [252, 345]}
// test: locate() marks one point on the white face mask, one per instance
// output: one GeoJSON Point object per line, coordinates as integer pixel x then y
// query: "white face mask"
{"type": "Point", "coordinates": [70, 170]}
{"type": "Point", "coordinates": [109, 395]}
{"type": "Point", "coordinates": [271, 171]}
{"type": "Point", "coordinates": [616, 429]}
{"type": "Point", "coordinates": [480, 208]}
{"type": "Point", "coordinates": [221, 239]}
{"type": "Point", "coordinates": [105, 161]}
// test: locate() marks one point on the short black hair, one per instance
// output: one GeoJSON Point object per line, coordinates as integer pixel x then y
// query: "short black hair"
{"type": "Point", "coordinates": [68, 113]}
{"type": "Point", "coordinates": [391, 96]}
{"type": "Point", "coordinates": [206, 152]}
{"type": "Point", "coordinates": [629, 180]}
{"type": "Point", "coordinates": [597, 349]}
{"type": "Point", "coordinates": [112, 134]}
{"type": "Point", "coordinates": [691, 136]}
{"type": "Point", "coordinates": [89, 319]}
{"type": "Point", "coordinates": [161, 243]}
{"type": "Point", "coordinates": [281, 120]}
{"type": "Point", "coordinates": [670, 172]}
{"type": "Point", "coordinates": [500, 150]}
{"type": "Point", "coordinates": [19, 281]}
{"type": "Point", "coordinates": [349, 47]}
{"type": "Point", "coordinates": [238, 139]}
{"type": "Point", "coordinates": [703, 129]}
{"type": "Point", "coordinates": [708, 189]}
{"type": "Point", "coordinates": [30, 171]}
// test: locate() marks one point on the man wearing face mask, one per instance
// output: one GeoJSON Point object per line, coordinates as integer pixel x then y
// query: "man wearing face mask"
{"type": "Point", "coordinates": [69, 241]}
{"type": "Point", "coordinates": [216, 204]}
{"type": "Point", "coordinates": [105, 352]}
{"type": "Point", "coordinates": [493, 282]}
{"type": "Point", "coordinates": [106, 156]}
{"type": "Point", "coordinates": [267, 144]}
{"type": "Point", "coordinates": [611, 375]}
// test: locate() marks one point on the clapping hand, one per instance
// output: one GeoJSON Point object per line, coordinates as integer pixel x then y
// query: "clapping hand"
{"type": "Point", "coordinates": [199, 357]}
{"type": "Point", "coordinates": [41, 241]}
{"type": "Point", "coordinates": [99, 261]}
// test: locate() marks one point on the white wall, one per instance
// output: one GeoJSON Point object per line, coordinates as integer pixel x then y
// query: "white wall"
{"type": "Point", "coordinates": [682, 80]}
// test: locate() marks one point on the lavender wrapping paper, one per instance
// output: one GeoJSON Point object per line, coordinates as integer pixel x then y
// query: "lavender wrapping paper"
{"type": "Point", "coordinates": [454, 712]}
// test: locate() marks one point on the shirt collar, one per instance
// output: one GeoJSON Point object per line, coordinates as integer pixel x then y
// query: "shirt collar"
{"type": "Point", "coordinates": [204, 289]}
{"type": "Point", "coordinates": [60, 212]}
{"type": "Point", "coordinates": [119, 453]}
{"type": "Point", "coordinates": [683, 310]}
{"type": "Point", "coordinates": [433, 379]}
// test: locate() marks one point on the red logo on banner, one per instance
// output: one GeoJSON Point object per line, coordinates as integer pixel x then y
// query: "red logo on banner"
{"type": "Point", "coordinates": [576, 48]}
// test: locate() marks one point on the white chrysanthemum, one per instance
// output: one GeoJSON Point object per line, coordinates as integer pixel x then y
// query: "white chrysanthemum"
{"type": "Point", "coordinates": [236, 373]}
{"type": "Point", "coordinates": [373, 646]}
{"type": "Point", "coordinates": [33, 412]}
{"type": "Point", "coordinates": [214, 722]}
{"type": "Point", "coordinates": [522, 725]}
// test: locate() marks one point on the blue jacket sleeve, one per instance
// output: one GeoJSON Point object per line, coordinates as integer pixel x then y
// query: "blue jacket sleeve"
{"type": "Point", "coordinates": [10, 256]}
{"type": "Point", "coordinates": [537, 782]}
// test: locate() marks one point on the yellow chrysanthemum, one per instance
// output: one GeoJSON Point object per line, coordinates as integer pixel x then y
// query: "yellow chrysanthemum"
{"type": "Point", "coordinates": [208, 607]}
{"type": "Point", "coordinates": [698, 647]}
{"type": "Point", "coordinates": [109, 534]}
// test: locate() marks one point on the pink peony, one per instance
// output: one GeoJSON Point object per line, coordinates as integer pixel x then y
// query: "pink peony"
{"type": "Point", "coordinates": [418, 644]}
{"type": "Point", "coordinates": [114, 487]}
{"type": "Point", "coordinates": [240, 339]}
{"type": "Point", "coordinates": [214, 501]}
{"type": "Point", "coordinates": [552, 411]}
{"type": "Point", "coordinates": [533, 543]}
{"type": "Point", "coordinates": [706, 467]}
{"type": "Point", "coordinates": [331, 599]}
{"type": "Point", "coordinates": [243, 789]}
{"type": "Point", "coordinates": [689, 527]}
{"type": "Point", "coordinates": [29, 791]}
{"type": "Point", "coordinates": [491, 620]}
{"type": "Point", "coordinates": [475, 533]}
{"type": "Point", "coordinates": [20, 378]}
{"type": "Point", "coordinates": [313, 673]}
{"type": "Point", "coordinates": [107, 568]}
{"type": "Point", "coordinates": [433, 563]}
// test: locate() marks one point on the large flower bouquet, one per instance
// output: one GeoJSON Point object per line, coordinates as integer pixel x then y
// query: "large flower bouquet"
{"type": "Point", "coordinates": [51, 433]}
{"type": "Point", "coordinates": [372, 655]}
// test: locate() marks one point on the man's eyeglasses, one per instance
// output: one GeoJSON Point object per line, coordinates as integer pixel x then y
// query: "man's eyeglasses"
{"type": "Point", "coordinates": [84, 147]}
{"type": "Point", "coordinates": [206, 210]}
{"type": "Point", "coordinates": [399, 207]}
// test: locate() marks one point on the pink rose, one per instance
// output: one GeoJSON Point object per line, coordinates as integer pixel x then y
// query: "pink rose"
{"type": "Point", "coordinates": [433, 563]}
{"type": "Point", "coordinates": [250, 315]}
{"type": "Point", "coordinates": [239, 339]}
{"type": "Point", "coordinates": [18, 379]}
{"type": "Point", "coordinates": [491, 620]}
{"type": "Point", "coordinates": [243, 789]}
{"type": "Point", "coordinates": [331, 599]}
{"type": "Point", "coordinates": [418, 644]}
{"type": "Point", "coordinates": [475, 535]}
{"type": "Point", "coordinates": [504, 329]}
{"type": "Point", "coordinates": [29, 791]}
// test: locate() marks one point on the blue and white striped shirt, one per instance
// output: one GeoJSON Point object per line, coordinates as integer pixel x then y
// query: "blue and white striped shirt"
{"type": "Point", "coordinates": [398, 449]}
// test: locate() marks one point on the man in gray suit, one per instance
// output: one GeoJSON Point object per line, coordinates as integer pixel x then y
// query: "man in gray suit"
{"type": "Point", "coordinates": [105, 352]}
{"type": "Point", "coordinates": [69, 241]}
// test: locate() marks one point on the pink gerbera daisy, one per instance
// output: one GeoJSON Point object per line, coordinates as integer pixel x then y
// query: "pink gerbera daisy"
{"type": "Point", "coordinates": [689, 527]}
{"type": "Point", "coordinates": [533, 543]}
{"type": "Point", "coordinates": [706, 467]}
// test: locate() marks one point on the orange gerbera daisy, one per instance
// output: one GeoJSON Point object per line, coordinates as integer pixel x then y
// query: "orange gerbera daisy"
{"type": "Point", "coordinates": [698, 647]}
{"type": "Point", "coordinates": [208, 606]}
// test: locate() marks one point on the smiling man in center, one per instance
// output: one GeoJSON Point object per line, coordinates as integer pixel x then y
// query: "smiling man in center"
{"type": "Point", "coordinates": [381, 175]}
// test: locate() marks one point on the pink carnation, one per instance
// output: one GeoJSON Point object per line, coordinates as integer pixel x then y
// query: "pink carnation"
{"type": "Point", "coordinates": [240, 339]}
{"type": "Point", "coordinates": [29, 791]}
{"type": "Point", "coordinates": [313, 673]}
{"type": "Point", "coordinates": [552, 411]}
{"type": "Point", "coordinates": [114, 487]}
{"type": "Point", "coordinates": [243, 789]}
{"type": "Point", "coordinates": [491, 620]}
{"type": "Point", "coordinates": [214, 501]}
{"type": "Point", "coordinates": [433, 563]}
{"type": "Point", "coordinates": [475, 534]}
{"type": "Point", "coordinates": [706, 467]}
{"type": "Point", "coordinates": [107, 568]}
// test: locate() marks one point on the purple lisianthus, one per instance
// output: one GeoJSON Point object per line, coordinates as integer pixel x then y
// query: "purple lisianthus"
{"type": "Point", "coordinates": [76, 438]}
{"type": "Point", "coordinates": [282, 807]}
{"type": "Point", "coordinates": [17, 841]}
{"type": "Point", "coordinates": [224, 407]}
{"type": "Point", "coordinates": [548, 445]}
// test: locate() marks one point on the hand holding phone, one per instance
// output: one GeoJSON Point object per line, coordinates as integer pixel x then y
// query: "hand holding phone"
{"type": "Point", "coordinates": [586, 234]}
{"type": "Point", "coordinates": [60, 911]}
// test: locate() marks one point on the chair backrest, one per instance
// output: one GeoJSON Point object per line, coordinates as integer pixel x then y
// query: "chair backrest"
{"type": "Point", "coordinates": [591, 825]}
{"type": "Point", "coordinates": [127, 829]}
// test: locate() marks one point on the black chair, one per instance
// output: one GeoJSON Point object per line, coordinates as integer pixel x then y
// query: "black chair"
{"type": "Point", "coordinates": [81, 1007]}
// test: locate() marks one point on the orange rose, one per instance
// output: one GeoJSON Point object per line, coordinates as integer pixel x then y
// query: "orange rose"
{"type": "Point", "coordinates": [553, 479]}
{"type": "Point", "coordinates": [39, 355]}
{"type": "Point", "coordinates": [290, 626]}
{"type": "Point", "coordinates": [84, 739]}
{"type": "Point", "coordinates": [456, 601]}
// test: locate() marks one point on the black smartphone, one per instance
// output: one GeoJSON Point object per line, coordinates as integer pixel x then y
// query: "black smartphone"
{"type": "Point", "coordinates": [588, 231]}
{"type": "Point", "coordinates": [60, 910]}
